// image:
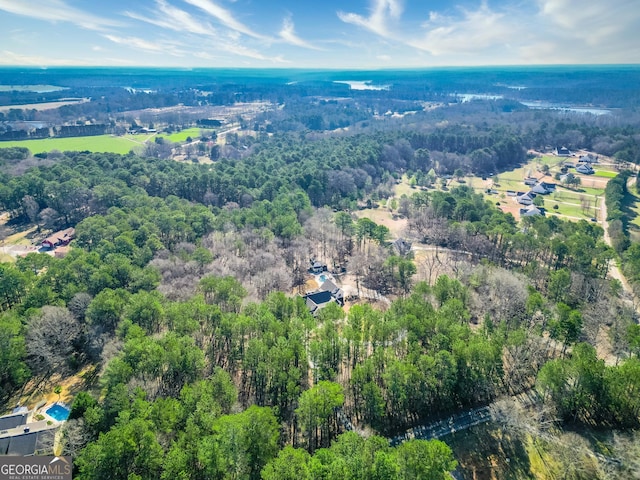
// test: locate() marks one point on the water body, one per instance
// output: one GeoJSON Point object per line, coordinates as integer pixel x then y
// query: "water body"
{"type": "Point", "coordinates": [31, 88]}
{"type": "Point", "coordinates": [566, 108]}
{"type": "Point", "coordinates": [137, 90]}
{"type": "Point", "coordinates": [363, 85]}
{"type": "Point", "coordinates": [468, 97]}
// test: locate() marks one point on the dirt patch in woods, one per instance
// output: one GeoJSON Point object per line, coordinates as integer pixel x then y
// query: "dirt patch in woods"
{"type": "Point", "coordinates": [512, 208]}
{"type": "Point", "coordinates": [382, 216]}
{"type": "Point", "coordinates": [44, 391]}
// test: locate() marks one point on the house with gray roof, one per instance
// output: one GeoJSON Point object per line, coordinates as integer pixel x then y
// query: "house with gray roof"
{"type": "Point", "coordinates": [531, 211]}
{"type": "Point", "coordinates": [588, 158]}
{"type": "Point", "coordinates": [401, 246]}
{"type": "Point", "coordinates": [585, 169]}
{"type": "Point", "coordinates": [327, 293]}
{"type": "Point", "coordinates": [18, 437]}
{"type": "Point", "coordinates": [525, 199]}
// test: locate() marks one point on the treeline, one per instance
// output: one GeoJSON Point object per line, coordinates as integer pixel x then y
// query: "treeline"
{"type": "Point", "coordinates": [484, 151]}
{"type": "Point", "coordinates": [614, 197]}
{"type": "Point", "coordinates": [62, 131]}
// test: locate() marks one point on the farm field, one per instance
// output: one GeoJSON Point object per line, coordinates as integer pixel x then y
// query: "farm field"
{"type": "Point", "coordinates": [98, 143]}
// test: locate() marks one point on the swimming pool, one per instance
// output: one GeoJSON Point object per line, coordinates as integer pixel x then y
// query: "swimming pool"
{"type": "Point", "coordinates": [58, 412]}
{"type": "Point", "coordinates": [322, 278]}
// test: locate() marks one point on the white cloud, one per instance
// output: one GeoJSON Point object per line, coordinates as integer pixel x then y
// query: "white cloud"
{"type": "Point", "coordinates": [241, 50]}
{"type": "Point", "coordinates": [167, 48]}
{"type": "Point", "coordinates": [172, 18]}
{"type": "Point", "coordinates": [377, 21]}
{"type": "Point", "coordinates": [474, 31]}
{"type": "Point", "coordinates": [56, 11]}
{"type": "Point", "coordinates": [224, 16]}
{"type": "Point", "coordinates": [288, 34]}
{"type": "Point", "coordinates": [593, 21]}
{"type": "Point", "coordinates": [175, 19]}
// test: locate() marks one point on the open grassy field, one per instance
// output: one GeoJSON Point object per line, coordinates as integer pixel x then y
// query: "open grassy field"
{"type": "Point", "coordinates": [382, 216]}
{"type": "Point", "coordinates": [570, 209]}
{"type": "Point", "coordinates": [182, 135]}
{"type": "Point", "coordinates": [98, 143]}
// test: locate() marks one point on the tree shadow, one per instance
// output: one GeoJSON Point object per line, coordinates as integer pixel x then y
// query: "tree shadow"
{"type": "Point", "coordinates": [490, 452]}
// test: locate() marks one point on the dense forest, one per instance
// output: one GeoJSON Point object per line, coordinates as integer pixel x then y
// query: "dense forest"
{"type": "Point", "coordinates": [180, 306]}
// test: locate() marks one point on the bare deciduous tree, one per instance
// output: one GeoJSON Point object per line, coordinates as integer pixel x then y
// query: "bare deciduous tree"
{"type": "Point", "coordinates": [78, 305]}
{"type": "Point", "coordinates": [52, 340]}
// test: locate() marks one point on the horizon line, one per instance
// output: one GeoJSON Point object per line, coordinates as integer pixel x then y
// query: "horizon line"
{"type": "Point", "coordinates": [283, 68]}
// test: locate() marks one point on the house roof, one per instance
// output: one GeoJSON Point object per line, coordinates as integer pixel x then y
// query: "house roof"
{"type": "Point", "coordinates": [402, 246]}
{"type": "Point", "coordinates": [319, 298]}
{"type": "Point", "coordinates": [584, 168]}
{"type": "Point", "coordinates": [27, 439]}
{"type": "Point", "coordinates": [588, 158]}
{"type": "Point", "coordinates": [12, 421]}
{"type": "Point", "coordinates": [4, 445]}
{"type": "Point", "coordinates": [62, 235]}
{"type": "Point", "coordinates": [329, 286]}
{"type": "Point", "coordinates": [526, 196]}
{"type": "Point", "coordinates": [23, 444]}
{"type": "Point", "coordinates": [530, 211]}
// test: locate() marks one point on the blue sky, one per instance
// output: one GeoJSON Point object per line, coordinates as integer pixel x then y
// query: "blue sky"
{"type": "Point", "coordinates": [318, 34]}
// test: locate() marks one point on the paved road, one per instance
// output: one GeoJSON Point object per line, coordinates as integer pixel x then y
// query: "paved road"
{"type": "Point", "coordinates": [441, 428]}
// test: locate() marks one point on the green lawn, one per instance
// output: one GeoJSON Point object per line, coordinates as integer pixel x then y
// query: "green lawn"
{"type": "Point", "coordinates": [98, 143]}
{"type": "Point", "coordinates": [550, 160]}
{"type": "Point", "coordinates": [605, 173]}
{"type": "Point", "coordinates": [182, 135]}
{"type": "Point", "coordinates": [592, 191]}
{"type": "Point", "coordinates": [569, 209]}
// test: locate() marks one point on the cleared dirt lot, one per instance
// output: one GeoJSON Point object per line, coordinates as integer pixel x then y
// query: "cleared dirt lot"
{"type": "Point", "coordinates": [44, 106]}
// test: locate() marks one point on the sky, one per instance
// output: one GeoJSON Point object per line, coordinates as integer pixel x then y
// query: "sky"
{"type": "Point", "coordinates": [354, 34]}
